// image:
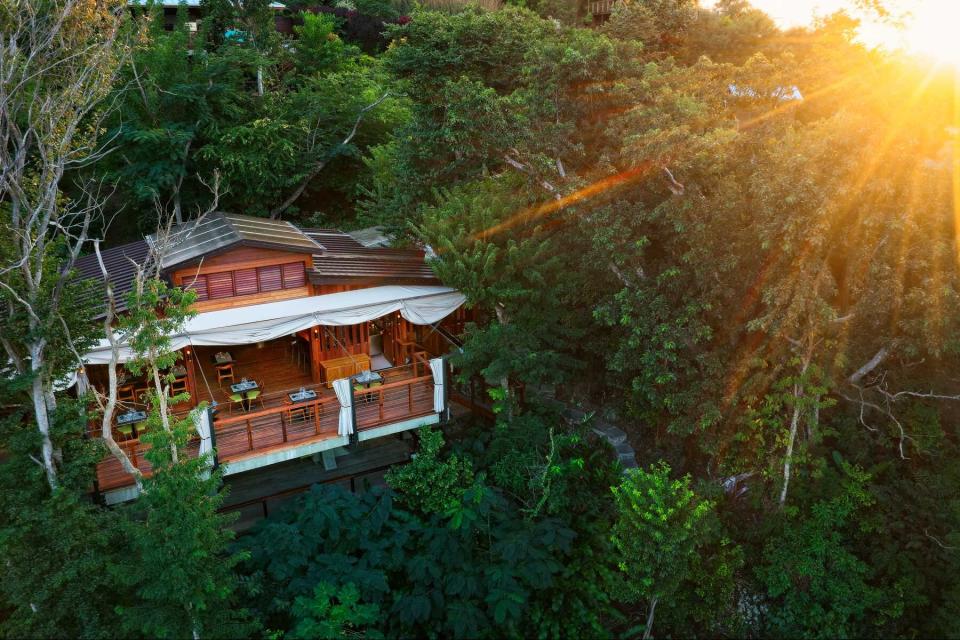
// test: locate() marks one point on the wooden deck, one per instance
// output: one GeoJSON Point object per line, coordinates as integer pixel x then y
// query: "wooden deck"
{"type": "Point", "coordinates": [110, 475]}
{"type": "Point", "coordinates": [273, 423]}
{"type": "Point", "coordinates": [274, 366]}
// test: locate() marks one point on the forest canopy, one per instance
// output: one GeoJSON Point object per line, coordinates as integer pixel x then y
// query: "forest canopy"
{"type": "Point", "coordinates": [734, 241]}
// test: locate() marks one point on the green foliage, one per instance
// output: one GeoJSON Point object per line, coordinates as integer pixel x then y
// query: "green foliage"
{"type": "Point", "coordinates": [189, 116]}
{"type": "Point", "coordinates": [55, 306]}
{"type": "Point", "coordinates": [182, 573]}
{"type": "Point", "coordinates": [659, 530]}
{"type": "Point", "coordinates": [484, 568]}
{"type": "Point", "coordinates": [428, 484]}
{"type": "Point", "coordinates": [318, 48]}
{"type": "Point", "coordinates": [511, 277]}
{"type": "Point", "coordinates": [334, 613]}
{"type": "Point", "coordinates": [488, 85]}
{"type": "Point", "coordinates": [821, 589]}
{"type": "Point", "coordinates": [61, 551]}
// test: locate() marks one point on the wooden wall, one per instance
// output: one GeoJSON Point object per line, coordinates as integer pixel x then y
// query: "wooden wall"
{"type": "Point", "coordinates": [244, 259]}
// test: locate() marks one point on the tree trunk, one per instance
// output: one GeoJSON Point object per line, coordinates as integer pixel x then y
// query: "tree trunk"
{"type": "Point", "coordinates": [794, 424]}
{"type": "Point", "coordinates": [648, 630]}
{"type": "Point", "coordinates": [505, 379]}
{"type": "Point", "coordinates": [42, 415]}
{"type": "Point", "coordinates": [318, 167]}
{"type": "Point", "coordinates": [788, 461]}
{"type": "Point", "coordinates": [162, 390]}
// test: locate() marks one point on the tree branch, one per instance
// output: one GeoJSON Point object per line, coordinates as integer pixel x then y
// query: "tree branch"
{"type": "Point", "coordinates": [318, 167]}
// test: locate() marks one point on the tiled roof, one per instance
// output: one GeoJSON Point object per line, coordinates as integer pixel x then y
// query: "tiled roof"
{"type": "Point", "coordinates": [332, 239]}
{"type": "Point", "coordinates": [337, 257]}
{"type": "Point", "coordinates": [217, 231]}
{"type": "Point", "coordinates": [342, 258]}
{"type": "Point", "coordinates": [120, 263]}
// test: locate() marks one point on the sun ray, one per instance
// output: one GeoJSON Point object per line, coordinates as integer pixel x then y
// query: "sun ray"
{"type": "Point", "coordinates": [532, 213]}
{"type": "Point", "coordinates": [955, 156]}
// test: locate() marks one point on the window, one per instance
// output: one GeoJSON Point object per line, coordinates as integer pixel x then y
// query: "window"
{"type": "Point", "coordinates": [244, 282]}
{"type": "Point", "coordinates": [220, 285]}
{"type": "Point", "coordinates": [271, 278]}
{"type": "Point", "coordinates": [294, 275]}
{"type": "Point", "coordinates": [198, 284]}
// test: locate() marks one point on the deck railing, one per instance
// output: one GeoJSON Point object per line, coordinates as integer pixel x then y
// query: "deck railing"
{"type": "Point", "coordinates": [240, 434]}
{"type": "Point", "coordinates": [260, 430]}
{"type": "Point", "coordinates": [110, 473]}
{"type": "Point", "coordinates": [393, 402]}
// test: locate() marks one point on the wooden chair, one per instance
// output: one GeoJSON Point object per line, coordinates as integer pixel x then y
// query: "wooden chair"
{"type": "Point", "coordinates": [126, 393]}
{"type": "Point", "coordinates": [225, 372]}
{"type": "Point", "coordinates": [299, 413]}
{"type": "Point", "coordinates": [236, 400]}
{"type": "Point", "coordinates": [178, 386]}
{"type": "Point", "coordinates": [255, 396]}
{"type": "Point", "coordinates": [371, 395]}
{"type": "Point", "coordinates": [125, 430]}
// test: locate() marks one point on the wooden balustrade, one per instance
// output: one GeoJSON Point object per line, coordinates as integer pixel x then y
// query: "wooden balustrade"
{"type": "Point", "coordinates": [110, 473]}
{"type": "Point", "coordinates": [239, 435]}
{"type": "Point", "coordinates": [274, 427]}
{"type": "Point", "coordinates": [393, 402]}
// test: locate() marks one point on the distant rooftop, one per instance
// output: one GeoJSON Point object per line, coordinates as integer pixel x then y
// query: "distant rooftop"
{"type": "Point", "coordinates": [785, 94]}
{"type": "Point", "coordinates": [371, 237]}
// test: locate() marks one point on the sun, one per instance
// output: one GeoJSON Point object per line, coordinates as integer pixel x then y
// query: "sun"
{"type": "Point", "coordinates": [934, 30]}
{"type": "Point", "coordinates": [929, 28]}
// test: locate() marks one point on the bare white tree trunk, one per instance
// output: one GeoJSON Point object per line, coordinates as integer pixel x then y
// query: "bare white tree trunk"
{"type": "Point", "coordinates": [57, 63]}
{"type": "Point", "coordinates": [42, 415]}
{"type": "Point", "coordinates": [788, 460]}
{"type": "Point", "coordinates": [798, 395]}
{"type": "Point", "coordinates": [505, 380]}
{"type": "Point", "coordinates": [108, 408]}
{"type": "Point", "coordinates": [648, 630]}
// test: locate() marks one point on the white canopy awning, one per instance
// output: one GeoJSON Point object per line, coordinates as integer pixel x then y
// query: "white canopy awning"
{"type": "Point", "coordinates": [261, 322]}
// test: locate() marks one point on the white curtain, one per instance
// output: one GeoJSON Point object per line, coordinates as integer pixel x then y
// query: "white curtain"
{"type": "Point", "coordinates": [83, 382]}
{"type": "Point", "coordinates": [439, 401]}
{"type": "Point", "coordinates": [344, 393]}
{"type": "Point", "coordinates": [204, 429]}
{"type": "Point", "coordinates": [261, 322]}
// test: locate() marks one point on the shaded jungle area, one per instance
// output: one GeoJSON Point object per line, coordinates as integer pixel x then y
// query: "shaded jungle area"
{"type": "Point", "coordinates": [737, 243]}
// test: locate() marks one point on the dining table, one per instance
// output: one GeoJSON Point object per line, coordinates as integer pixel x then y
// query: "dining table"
{"type": "Point", "coordinates": [130, 419]}
{"type": "Point", "coordinates": [303, 395]}
{"type": "Point", "coordinates": [243, 388]}
{"type": "Point", "coordinates": [367, 377]}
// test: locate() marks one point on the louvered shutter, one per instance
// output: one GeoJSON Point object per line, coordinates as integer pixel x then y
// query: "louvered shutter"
{"type": "Point", "coordinates": [271, 278]}
{"type": "Point", "coordinates": [293, 275]}
{"type": "Point", "coordinates": [245, 281]}
{"type": "Point", "coordinates": [199, 285]}
{"type": "Point", "coordinates": [220, 285]}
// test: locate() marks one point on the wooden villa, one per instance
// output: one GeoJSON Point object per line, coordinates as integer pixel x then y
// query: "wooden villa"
{"type": "Point", "coordinates": [304, 341]}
